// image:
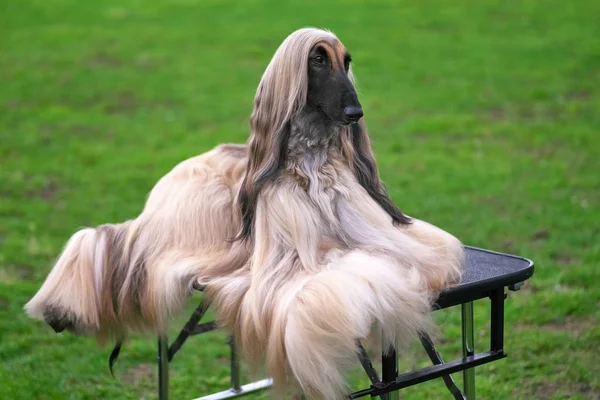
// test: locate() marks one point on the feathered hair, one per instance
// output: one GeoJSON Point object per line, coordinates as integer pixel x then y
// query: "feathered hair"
{"type": "Point", "coordinates": [325, 252]}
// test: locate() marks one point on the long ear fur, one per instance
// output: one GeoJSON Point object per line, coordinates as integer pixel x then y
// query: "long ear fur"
{"type": "Point", "coordinates": [267, 158]}
{"type": "Point", "coordinates": [359, 154]}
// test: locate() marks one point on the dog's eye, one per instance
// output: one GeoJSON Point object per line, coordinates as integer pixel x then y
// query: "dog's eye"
{"type": "Point", "coordinates": [319, 60]}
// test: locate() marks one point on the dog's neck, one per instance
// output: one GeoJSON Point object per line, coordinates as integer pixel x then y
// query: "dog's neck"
{"type": "Point", "coordinates": [311, 134]}
{"type": "Point", "coordinates": [313, 143]}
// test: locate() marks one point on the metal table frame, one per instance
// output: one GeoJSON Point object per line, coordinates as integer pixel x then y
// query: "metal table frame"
{"type": "Point", "coordinates": [387, 386]}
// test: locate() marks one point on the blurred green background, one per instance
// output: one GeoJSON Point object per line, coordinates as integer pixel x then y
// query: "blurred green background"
{"type": "Point", "coordinates": [484, 116]}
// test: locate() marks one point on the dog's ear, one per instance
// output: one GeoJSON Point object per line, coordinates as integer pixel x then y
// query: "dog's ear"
{"type": "Point", "coordinates": [266, 157]}
{"type": "Point", "coordinates": [359, 154]}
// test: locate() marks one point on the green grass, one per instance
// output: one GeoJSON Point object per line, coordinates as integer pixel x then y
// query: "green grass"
{"type": "Point", "coordinates": [484, 117]}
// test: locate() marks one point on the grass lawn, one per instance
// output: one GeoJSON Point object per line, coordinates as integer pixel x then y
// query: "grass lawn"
{"type": "Point", "coordinates": [485, 118]}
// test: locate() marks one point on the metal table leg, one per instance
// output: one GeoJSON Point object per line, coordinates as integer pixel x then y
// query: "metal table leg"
{"type": "Point", "coordinates": [389, 373]}
{"type": "Point", "coordinates": [436, 359]}
{"type": "Point", "coordinates": [468, 349]}
{"type": "Point", "coordinates": [234, 366]}
{"type": "Point", "coordinates": [366, 363]}
{"type": "Point", "coordinates": [163, 368]}
{"type": "Point", "coordinates": [497, 320]}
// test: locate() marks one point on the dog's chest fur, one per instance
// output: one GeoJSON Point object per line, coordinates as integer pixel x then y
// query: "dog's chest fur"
{"type": "Point", "coordinates": [314, 161]}
{"type": "Point", "coordinates": [312, 149]}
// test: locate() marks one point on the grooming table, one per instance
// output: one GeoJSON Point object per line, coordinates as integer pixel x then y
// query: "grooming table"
{"type": "Point", "coordinates": [486, 275]}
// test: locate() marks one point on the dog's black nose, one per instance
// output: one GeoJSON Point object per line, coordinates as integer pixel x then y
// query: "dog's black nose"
{"type": "Point", "coordinates": [353, 113]}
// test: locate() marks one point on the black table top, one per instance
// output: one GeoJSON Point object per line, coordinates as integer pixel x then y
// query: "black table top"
{"type": "Point", "coordinates": [485, 270]}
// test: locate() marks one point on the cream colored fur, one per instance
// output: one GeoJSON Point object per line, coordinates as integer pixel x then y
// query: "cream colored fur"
{"type": "Point", "coordinates": [324, 264]}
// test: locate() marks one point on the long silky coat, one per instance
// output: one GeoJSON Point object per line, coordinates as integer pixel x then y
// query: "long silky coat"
{"type": "Point", "coordinates": [294, 235]}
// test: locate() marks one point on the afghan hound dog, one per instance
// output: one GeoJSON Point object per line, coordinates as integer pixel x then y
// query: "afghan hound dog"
{"type": "Point", "coordinates": [299, 247]}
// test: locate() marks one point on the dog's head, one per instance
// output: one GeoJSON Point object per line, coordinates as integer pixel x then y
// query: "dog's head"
{"type": "Point", "coordinates": [309, 71]}
{"type": "Point", "coordinates": [330, 86]}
